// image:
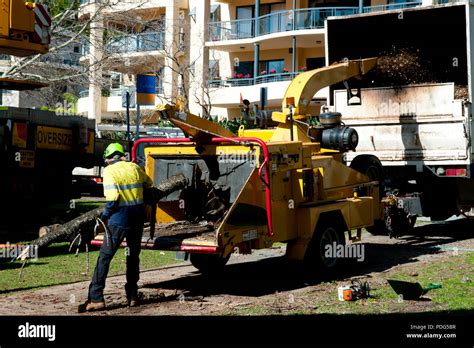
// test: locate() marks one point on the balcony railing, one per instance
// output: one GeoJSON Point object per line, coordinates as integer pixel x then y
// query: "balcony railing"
{"type": "Point", "coordinates": [281, 21]}
{"type": "Point", "coordinates": [243, 82]}
{"type": "Point", "coordinates": [305, 18]}
{"type": "Point", "coordinates": [388, 7]}
{"type": "Point", "coordinates": [232, 30]}
{"type": "Point", "coordinates": [142, 42]}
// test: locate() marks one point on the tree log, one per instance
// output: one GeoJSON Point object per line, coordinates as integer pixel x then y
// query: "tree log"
{"type": "Point", "coordinates": [181, 228]}
{"type": "Point", "coordinates": [84, 224]}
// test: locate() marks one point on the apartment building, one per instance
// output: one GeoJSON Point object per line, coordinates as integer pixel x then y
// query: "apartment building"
{"type": "Point", "coordinates": [130, 38]}
{"type": "Point", "coordinates": [263, 44]}
{"type": "Point", "coordinates": [213, 54]}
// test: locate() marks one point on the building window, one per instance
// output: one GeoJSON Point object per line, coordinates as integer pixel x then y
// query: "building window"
{"type": "Point", "coordinates": [271, 66]}
{"type": "Point", "coordinates": [115, 81]}
{"type": "Point", "coordinates": [264, 67]}
{"type": "Point", "coordinates": [215, 15]}
{"type": "Point", "coordinates": [214, 69]}
{"type": "Point", "coordinates": [274, 20]}
{"type": "Point", "coordinates": [244, 25]}
{"type": "Point", "coordinates": [244, 68]}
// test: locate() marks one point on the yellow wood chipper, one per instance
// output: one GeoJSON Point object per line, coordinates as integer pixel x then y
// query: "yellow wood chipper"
{"type": "Point", "coordinates": [286, 184]}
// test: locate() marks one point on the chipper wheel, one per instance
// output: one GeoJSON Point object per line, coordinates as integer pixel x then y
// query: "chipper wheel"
{"type": "Point", "coordinates": [209, 263]}
{"type": "Point", "coordinates": [320, 258]}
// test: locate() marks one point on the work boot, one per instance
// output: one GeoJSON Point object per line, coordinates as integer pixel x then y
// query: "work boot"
{"type": "Point", "coordinates": [132, 295]}
{"type": "Point", "coordinates": [133, 301]}
{"type": "Point", "coordinates": [90, 306]}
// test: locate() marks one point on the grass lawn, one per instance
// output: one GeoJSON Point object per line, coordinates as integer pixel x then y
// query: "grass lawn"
{"type": "Point", "coordinates": [455, 274]}
{"type": "Point", "coordinates": [57, 266]}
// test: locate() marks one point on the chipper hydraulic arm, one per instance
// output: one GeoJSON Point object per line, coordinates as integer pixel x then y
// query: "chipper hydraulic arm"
{"type": "Point", "coordinates": [249, 191]}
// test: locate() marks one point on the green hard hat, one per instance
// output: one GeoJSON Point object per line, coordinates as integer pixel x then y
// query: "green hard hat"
{"type": "Point", "coordinates": [113, 149]}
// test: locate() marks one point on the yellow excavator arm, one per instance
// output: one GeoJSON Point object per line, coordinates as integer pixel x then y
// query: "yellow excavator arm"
{"type": "Point", "coordinates": [304, 86]}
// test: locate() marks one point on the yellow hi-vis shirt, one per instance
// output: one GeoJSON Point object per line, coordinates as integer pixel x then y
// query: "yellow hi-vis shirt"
{"type": "Point", "coordinates": [124, 183]}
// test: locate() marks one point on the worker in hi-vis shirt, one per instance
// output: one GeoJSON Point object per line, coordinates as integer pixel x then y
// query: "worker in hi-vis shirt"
{"type": "Point", "coordinates": [124, 215]}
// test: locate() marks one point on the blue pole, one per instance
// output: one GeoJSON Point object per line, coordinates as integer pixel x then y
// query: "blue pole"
{"type": "Point", "coordinates": [127, 98]}
{"type": "Point", "coordinates": [257, 14]}
{"type": "Point", "coordinates": [137, 132]}
{"type": "Point", "coordinates": [256, 60]}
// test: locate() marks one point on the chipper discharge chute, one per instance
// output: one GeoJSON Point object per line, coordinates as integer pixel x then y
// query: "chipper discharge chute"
{"type": "Point", "coordinates": [286, 184]}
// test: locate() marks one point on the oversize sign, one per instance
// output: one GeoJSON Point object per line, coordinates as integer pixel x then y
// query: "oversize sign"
{"type": "Point", "coordinates": [53, 138]}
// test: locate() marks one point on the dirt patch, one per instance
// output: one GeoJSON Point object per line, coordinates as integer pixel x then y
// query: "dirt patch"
{"type": "Point", "coordinates": [266, 283]}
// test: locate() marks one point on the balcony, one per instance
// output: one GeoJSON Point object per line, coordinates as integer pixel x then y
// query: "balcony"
{"type": "Point", "coordinates": [142, 42]}
{"type": "Point", "coordinates": [243, 82]}
{"type": "Point", "coordinates": [281, 21]}
{"type": "Point", "coordinates": [227, 93]}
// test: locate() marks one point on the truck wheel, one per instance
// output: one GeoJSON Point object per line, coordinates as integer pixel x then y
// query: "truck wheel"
{"type": "Point", "coordinates": [320, 255]}
{"type": "Point", "coordinates": [370, 166]}
{"type": "Point", "coordinates": [209, 263]}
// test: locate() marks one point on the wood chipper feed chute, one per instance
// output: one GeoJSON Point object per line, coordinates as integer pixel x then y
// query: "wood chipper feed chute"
{"type": "Point", "coordinates": [225, 202]}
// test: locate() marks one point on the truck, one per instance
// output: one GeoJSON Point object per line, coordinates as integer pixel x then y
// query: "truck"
{"type": "Point", "coordinates": [262, 186]}
{"type": "Point", "coordinates": [38, 152]}
{"type": "Point", "coordinates": [420, 127]}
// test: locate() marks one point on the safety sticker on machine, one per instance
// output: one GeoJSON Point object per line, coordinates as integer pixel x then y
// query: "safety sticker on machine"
{"type": "Point", "coordinates": [27, 159]}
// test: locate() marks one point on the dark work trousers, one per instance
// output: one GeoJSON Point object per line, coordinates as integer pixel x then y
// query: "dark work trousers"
{"type": "Point", "coordinates": [108, 249]}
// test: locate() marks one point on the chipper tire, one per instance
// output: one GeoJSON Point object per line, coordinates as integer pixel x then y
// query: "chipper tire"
{"type": "Point", "coordinates": [316, 260]}
{"type": "Point", "coordinates": [209, 263]}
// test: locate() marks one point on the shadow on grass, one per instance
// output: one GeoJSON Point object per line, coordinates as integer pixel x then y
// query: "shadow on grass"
{"type": "Point", "coordinates": [270, 275]}
{"type": "Point", "coordinates": [6, 265]}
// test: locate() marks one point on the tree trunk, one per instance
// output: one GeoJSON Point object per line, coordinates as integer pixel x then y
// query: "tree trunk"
{"type": "Point", "coordinates": [85, 223]}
